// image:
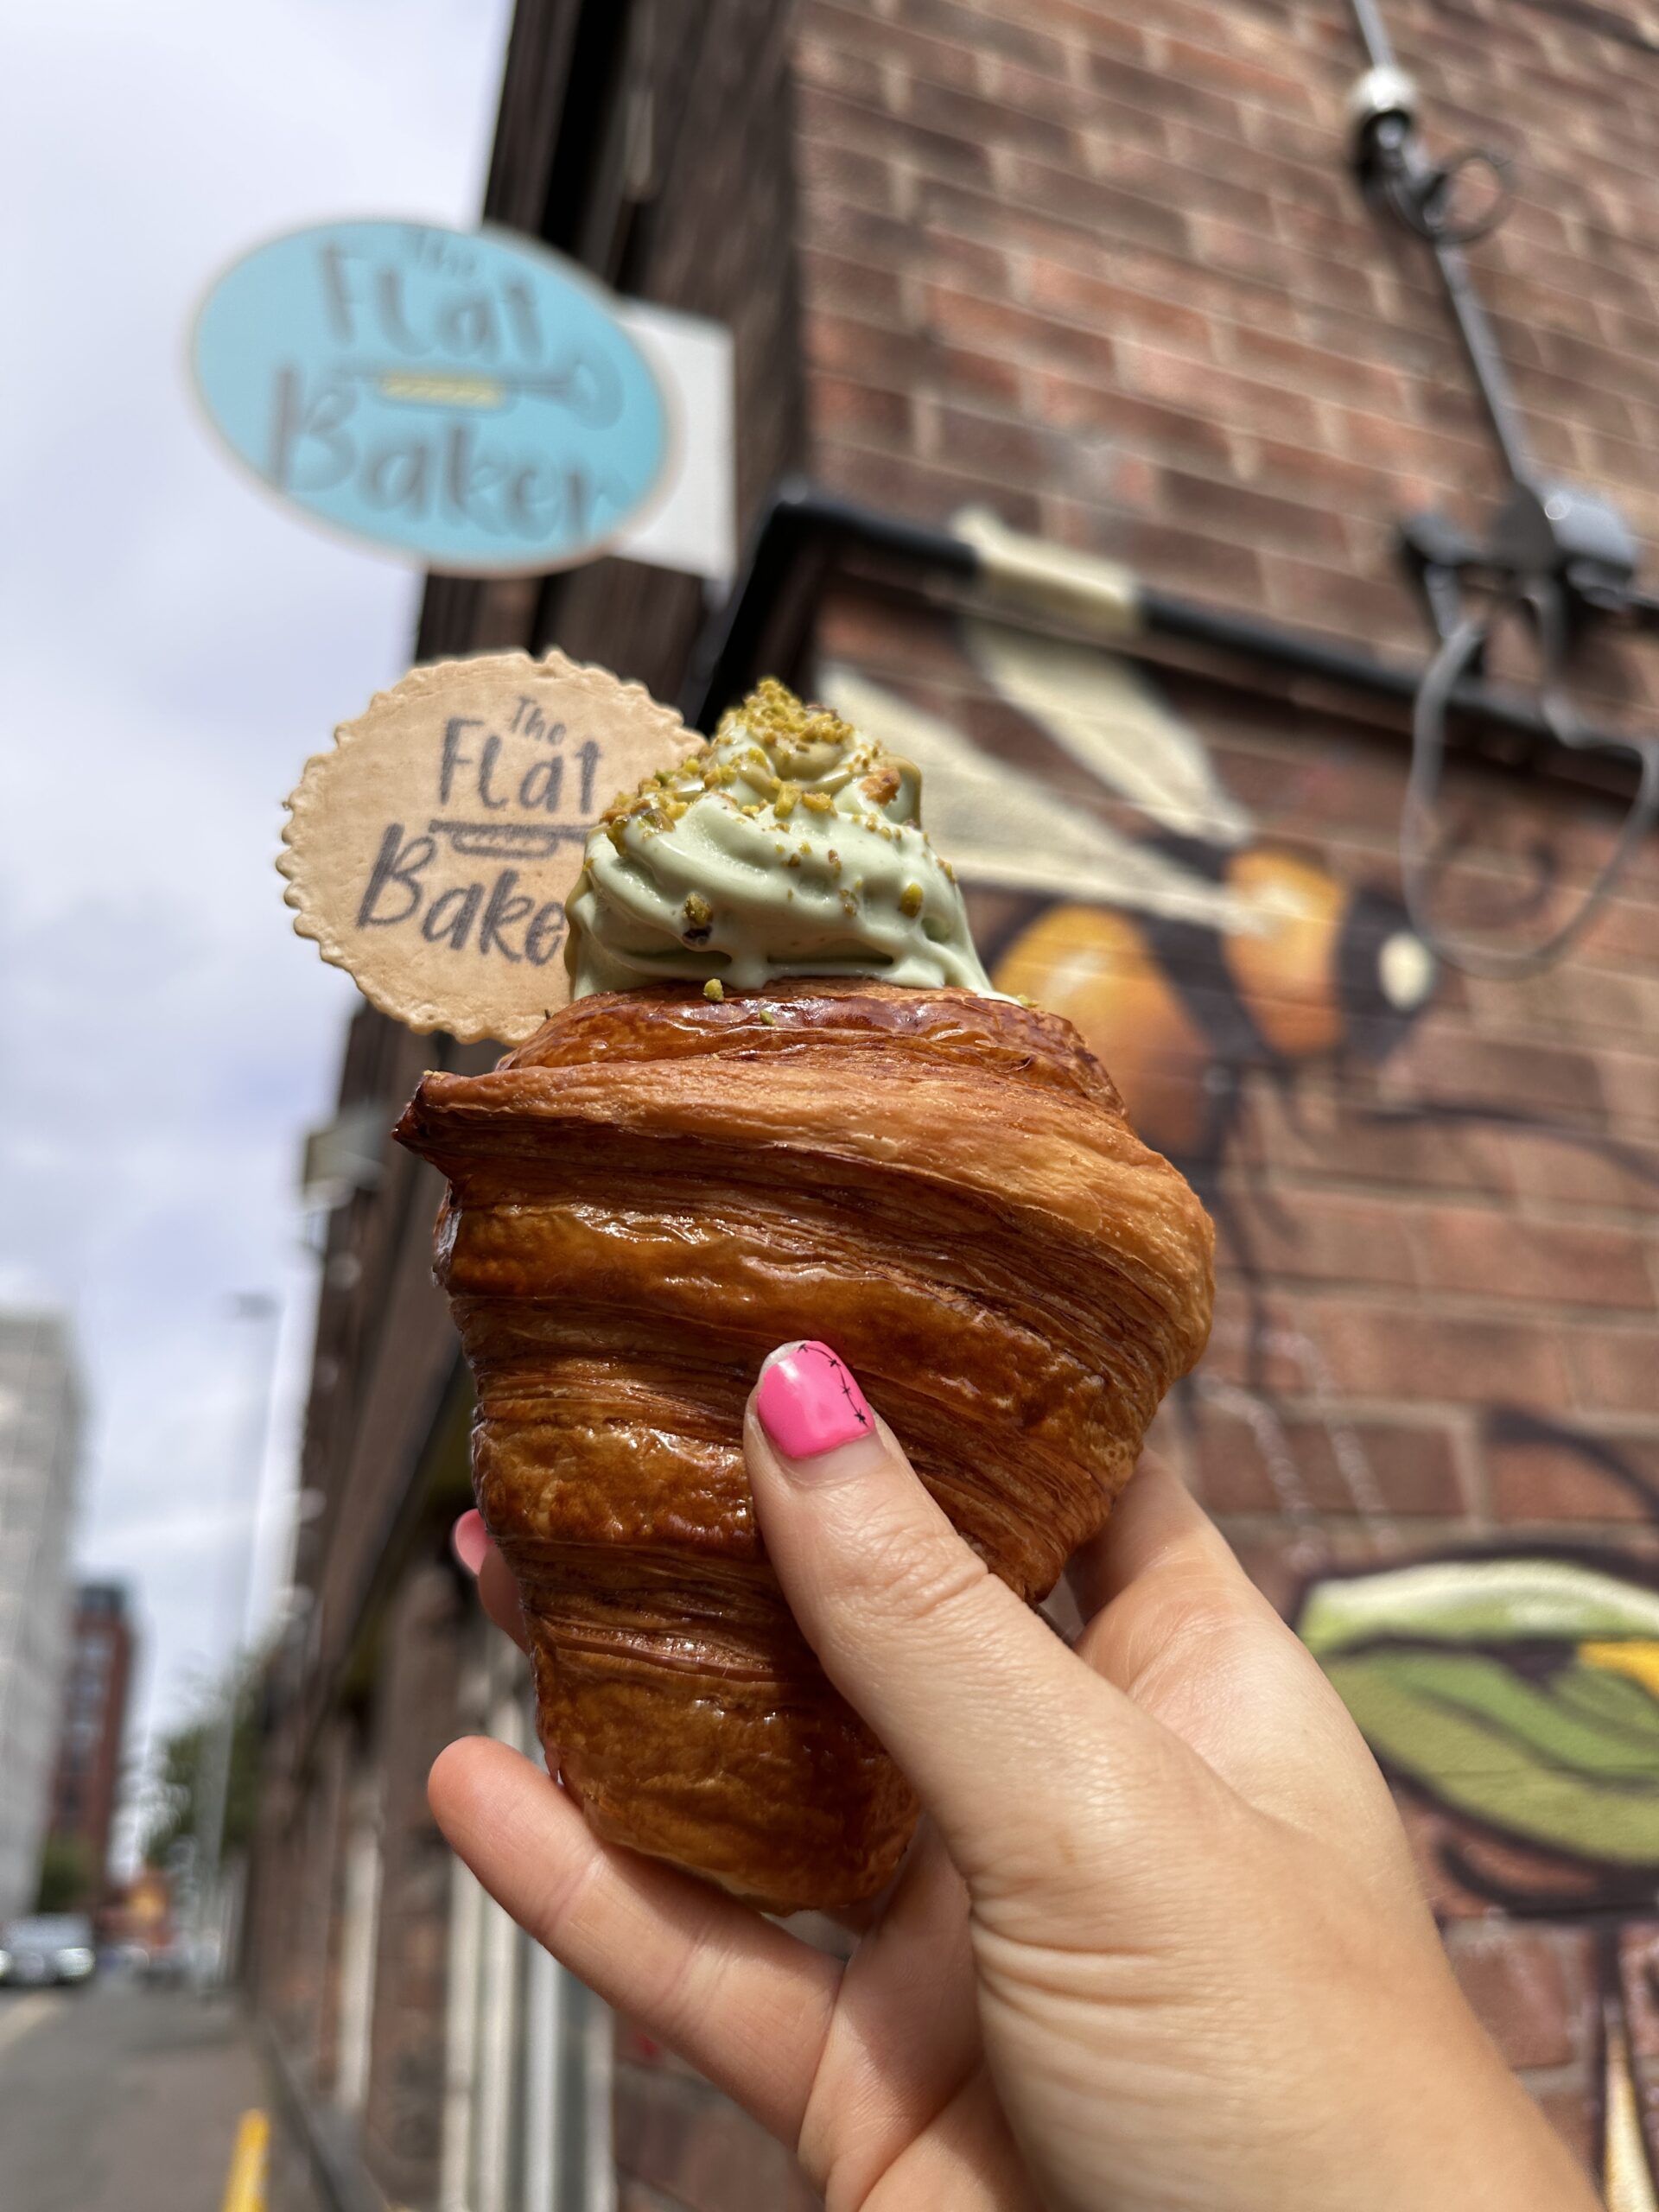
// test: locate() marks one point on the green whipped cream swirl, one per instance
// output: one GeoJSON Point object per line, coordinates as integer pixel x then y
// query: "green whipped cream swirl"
{"type": "Point", "coordinates": [789, 846]}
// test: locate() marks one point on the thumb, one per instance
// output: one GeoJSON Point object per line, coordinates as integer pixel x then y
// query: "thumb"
{"type": "Point", "coordinates": [977, 1700]}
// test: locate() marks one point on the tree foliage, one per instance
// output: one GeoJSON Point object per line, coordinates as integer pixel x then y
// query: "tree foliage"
{"type": "Point", "coordinates": [66, 1877]}
{"type": "Point", "coordinates": [183, 1767]}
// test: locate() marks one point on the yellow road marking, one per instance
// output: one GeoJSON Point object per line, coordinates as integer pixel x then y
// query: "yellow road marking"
{"type": "Point", "coordinates": [245, 2185]}
{"type": "Point", "coordinates": [25, 2013]}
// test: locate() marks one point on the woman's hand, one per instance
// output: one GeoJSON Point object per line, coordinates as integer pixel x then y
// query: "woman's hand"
{"type": "Point", "coordinates": [1159, 1944]}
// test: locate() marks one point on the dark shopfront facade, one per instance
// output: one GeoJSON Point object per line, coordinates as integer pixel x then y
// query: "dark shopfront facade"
{"type": "Point", "coordinates": [1103, 270]}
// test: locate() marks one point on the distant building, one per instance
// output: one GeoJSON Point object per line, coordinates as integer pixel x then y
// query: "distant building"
{"type": "Point", "coordinates": [94, 1724]}
{"type": "Point", "coordinates": [40, 1442]}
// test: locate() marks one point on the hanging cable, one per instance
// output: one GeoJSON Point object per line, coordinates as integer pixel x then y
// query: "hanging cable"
{"type": "Point", "coordinates": [1461, 652]}
{"type": "Point", "coordinates": [1562, 554]}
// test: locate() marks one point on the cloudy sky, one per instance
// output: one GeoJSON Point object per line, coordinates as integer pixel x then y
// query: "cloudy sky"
{"type": "Point", "coordinates": [172, 647]}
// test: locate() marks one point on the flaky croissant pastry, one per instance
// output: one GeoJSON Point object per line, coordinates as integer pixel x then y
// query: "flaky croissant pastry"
{"type": "Point", "coordinates": [645, 1200]}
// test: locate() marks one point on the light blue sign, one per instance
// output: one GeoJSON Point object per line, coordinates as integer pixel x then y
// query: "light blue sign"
{"type": "Point", "coordinates": [464, 398]}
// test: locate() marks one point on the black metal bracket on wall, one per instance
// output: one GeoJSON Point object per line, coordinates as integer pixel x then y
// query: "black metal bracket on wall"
{"type": "Point", "coordinates": [1559, 558]}
{"type": "Point", "coordinates": [803, 531]}
{"type": "Point", "coordinates": [1575, 541]}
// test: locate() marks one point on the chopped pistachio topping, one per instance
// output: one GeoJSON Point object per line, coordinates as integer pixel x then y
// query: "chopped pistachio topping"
{"type": "Point", "coordinates": [689, 877]}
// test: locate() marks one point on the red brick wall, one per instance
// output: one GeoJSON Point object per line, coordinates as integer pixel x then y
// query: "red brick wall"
{"type": "Point", "coordinates": [1104, 264]}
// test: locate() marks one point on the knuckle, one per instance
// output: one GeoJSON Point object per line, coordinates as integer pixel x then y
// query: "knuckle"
{"type": "Point", "coordinates": [916, 1576]}
{"type": "Point", "coordinates": [1175, 1625]}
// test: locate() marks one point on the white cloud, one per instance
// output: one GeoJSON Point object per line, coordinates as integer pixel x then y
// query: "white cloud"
{"type": "Point", "coordinates": [174, 645]}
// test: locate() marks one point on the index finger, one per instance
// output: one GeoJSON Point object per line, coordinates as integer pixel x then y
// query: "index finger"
{"type": "Point", "coordinates": [497, 1590]}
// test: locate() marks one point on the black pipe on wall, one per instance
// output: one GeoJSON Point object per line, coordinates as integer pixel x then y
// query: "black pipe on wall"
{"type": "Point", "coordinates": [804, 530]}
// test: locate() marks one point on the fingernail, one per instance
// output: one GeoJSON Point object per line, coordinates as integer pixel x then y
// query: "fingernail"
{"type": "Point", "coordinates": [810, 1403]}
{"type": "Point", "coordinates": [471, 1540]}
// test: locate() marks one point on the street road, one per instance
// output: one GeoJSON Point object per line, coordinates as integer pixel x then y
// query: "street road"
{"type": "Point", "coordinates": [117, 2099]}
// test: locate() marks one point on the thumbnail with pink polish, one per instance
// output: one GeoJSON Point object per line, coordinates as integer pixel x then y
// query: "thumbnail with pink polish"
{"type": "Point", "coordinates": [808, 1402]}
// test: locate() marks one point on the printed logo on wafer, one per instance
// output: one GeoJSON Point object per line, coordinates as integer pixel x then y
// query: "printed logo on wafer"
{"type": "Point", "coordinates": [431, 852]}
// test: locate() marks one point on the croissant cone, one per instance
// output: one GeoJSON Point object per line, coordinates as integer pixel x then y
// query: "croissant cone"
{"type": "Point", "coordinates": [651, 1195]}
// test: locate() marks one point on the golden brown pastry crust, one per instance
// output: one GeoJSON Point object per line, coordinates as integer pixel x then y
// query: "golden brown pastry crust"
{"type": "Point", "coordinates": [648, 1197]}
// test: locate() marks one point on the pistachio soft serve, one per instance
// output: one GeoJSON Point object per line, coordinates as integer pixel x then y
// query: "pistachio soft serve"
{"type": "Point", "coordinates": [791, 845]}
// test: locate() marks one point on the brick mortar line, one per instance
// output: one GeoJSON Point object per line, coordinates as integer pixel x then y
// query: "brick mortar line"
{"type": "Point", "coordinates": [875, 447]}
{"type": "Point", "coordinates": [1471, 1466]}
{"type": "Point", "coordinates": [1023, 358]}
{"type": "Point", "coordinates": [1354, 569]}
{"type": "Point", "coordinates": [1399, 277]}
{"type": "Point", "coordinates": [1149, 64]}
{"type": "Point", "coordinates": [1071, 47]}
{"type": "Point", "coordinates": [1449, 42]}
{"type": "Point", "coordinates": [1537, 79]}
{"type": "Point", "coordinates": [902, 266]}
{"type": "Point", "coordinates": [1170, 514]}
{"type": "Point", "coordinates": [1428, 1528]}
{"type": "Point", "coordinates": [1024, 416]}
{"type": "Point", "coordinates": [1432, 1302]}
{"type": "Point", "coordinates": [1091, 235]}
{"type": "Point", "coordinates": [986, 93]}
{"type": "Point", "coordinates": [1407, 1200]}
{"type": "Point", "coordinates": [1436, 1418]}
{"type": "Point", "coordinates": [1405, 1301]}
{"type": "Point", "coordinates": [1628, 178]}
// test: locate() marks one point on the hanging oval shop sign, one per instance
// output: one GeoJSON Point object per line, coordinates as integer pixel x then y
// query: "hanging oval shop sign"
{"type": "Point", "coordinates": [466, 399]}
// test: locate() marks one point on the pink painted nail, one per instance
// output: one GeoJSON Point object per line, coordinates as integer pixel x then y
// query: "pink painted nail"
{"type": "Point", "coordinates": [808, 1402]}
{"type": "Point", "coordinates": [471, 1540]}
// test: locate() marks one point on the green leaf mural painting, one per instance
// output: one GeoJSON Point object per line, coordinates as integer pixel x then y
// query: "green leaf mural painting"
{"type": "Point", "coordinates": [1559, 1749]}
{"type": "Point", "coordinates": [1521, 1694]}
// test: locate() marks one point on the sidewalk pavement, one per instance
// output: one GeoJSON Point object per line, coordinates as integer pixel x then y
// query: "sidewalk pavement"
{"type": "Point", "coordinates": [120, 2099]}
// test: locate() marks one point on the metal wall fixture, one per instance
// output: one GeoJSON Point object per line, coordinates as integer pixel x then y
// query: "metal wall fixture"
{"type": "Point", "coordinates": [803, 531]}
{"type": "Point", "coordinates": [1558, 557]}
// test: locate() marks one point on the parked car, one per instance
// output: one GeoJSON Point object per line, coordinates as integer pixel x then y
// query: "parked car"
{"type": "Point", "coordinates": [49, 1947]}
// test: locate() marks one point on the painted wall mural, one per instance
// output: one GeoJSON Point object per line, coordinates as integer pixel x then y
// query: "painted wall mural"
{"type": "Point", "coordinates": [1511, 1688]}
{"type": "Point", "coordinates": [1520, 1692]}
{"type": "Point", "coordinates": [1185, 954]}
